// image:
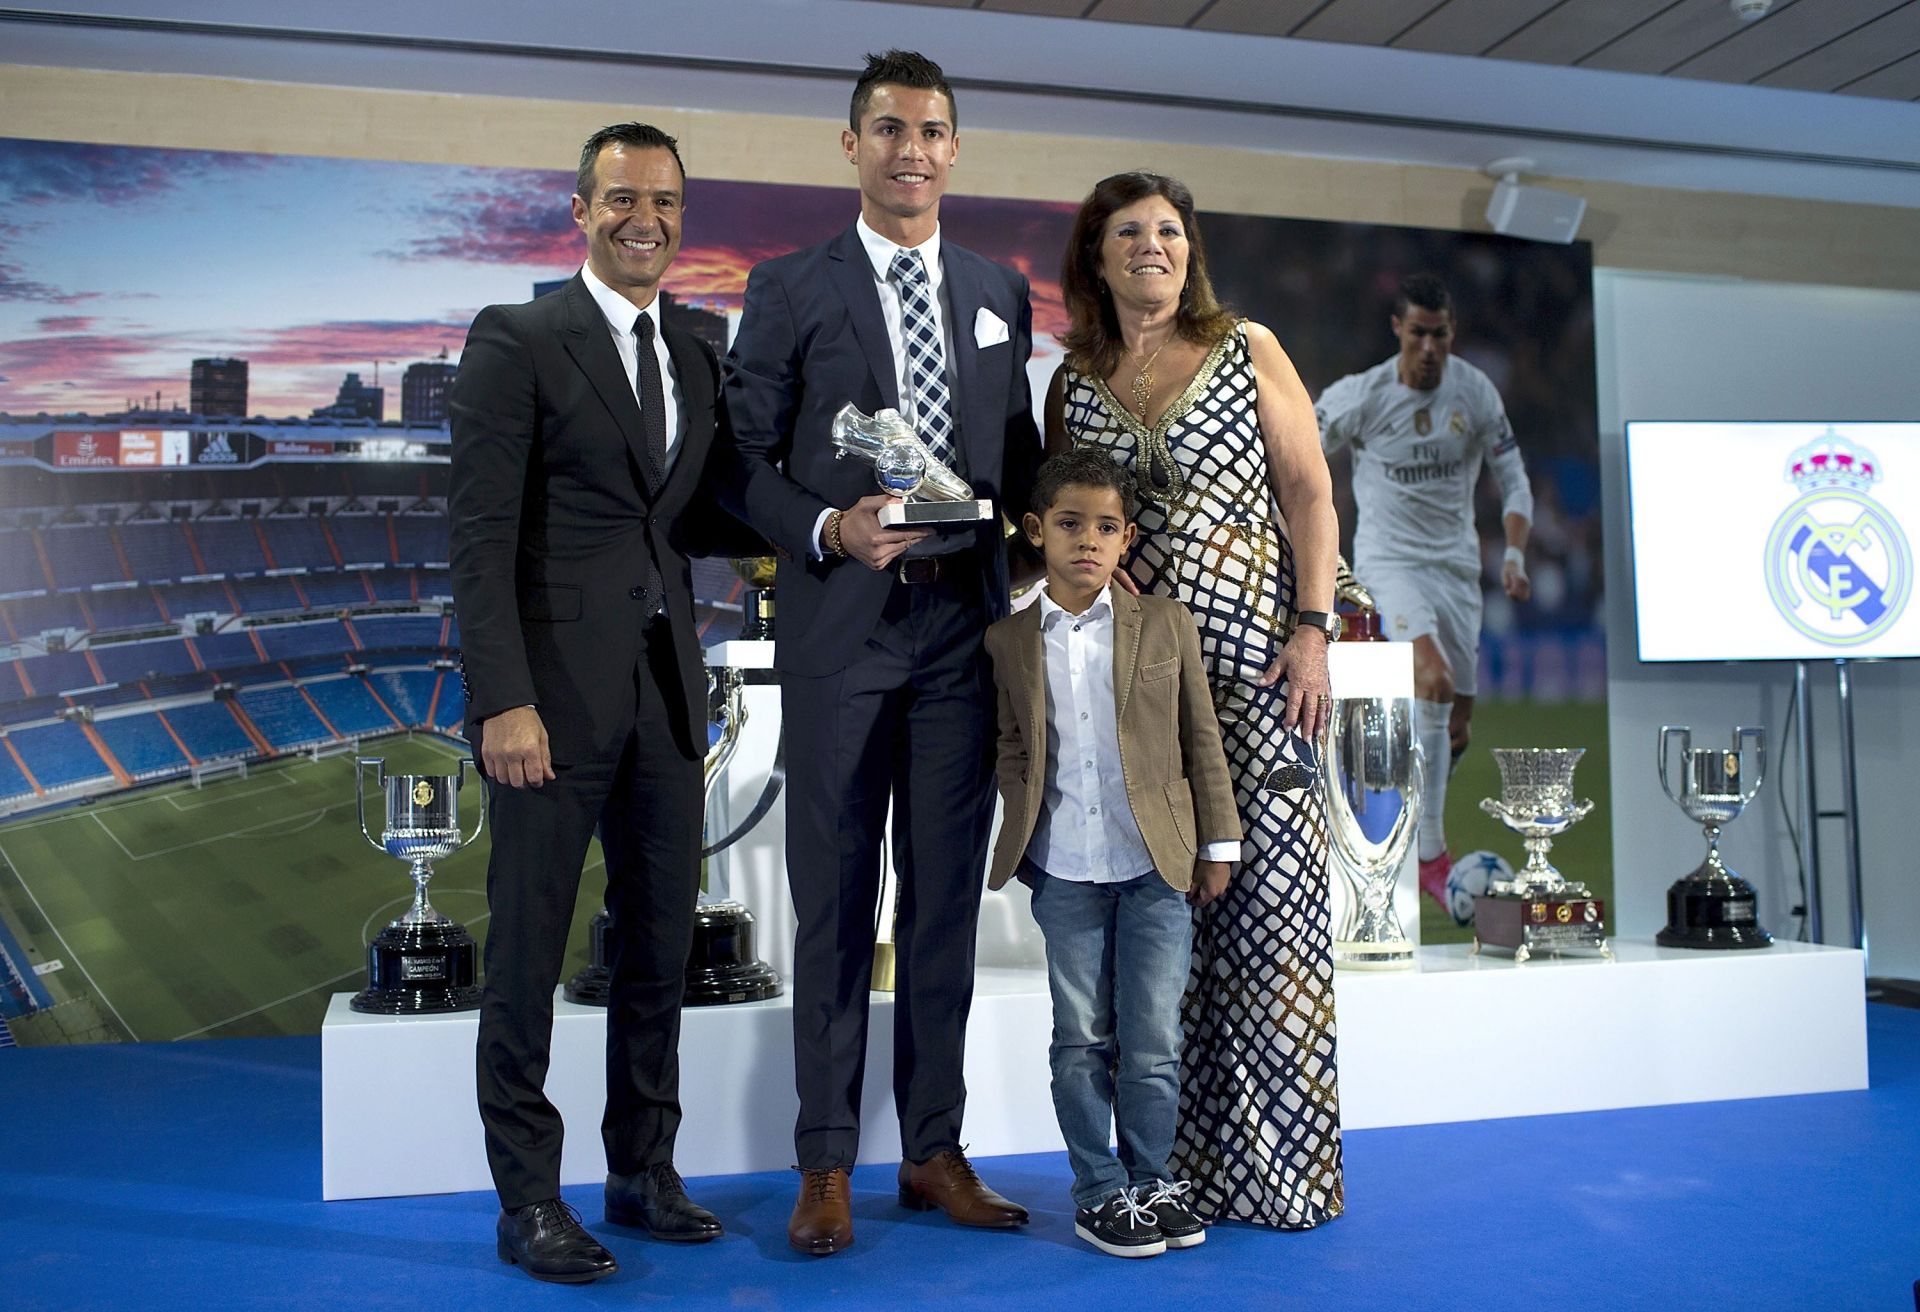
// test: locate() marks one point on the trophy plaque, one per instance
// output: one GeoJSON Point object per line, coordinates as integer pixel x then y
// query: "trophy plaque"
{"type": "Point", "coordinates": [1539, 909]}
{"type": "Point", "coordinates": [423, 961]}
{"type": "Point", "coordinates": [721, 966]}
{"type": "Point", "coordinates": [756, 607]}
{"type": "Point", "coordinates": [1371, 789]}
{"type": "Point", "coordinates": [1713, 907]}
{"type": "Point", "coordinates": [932, 494]}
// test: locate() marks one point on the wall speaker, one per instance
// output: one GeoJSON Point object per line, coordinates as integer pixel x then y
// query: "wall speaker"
{"type": "Point", "coordinates": [1535, 213]}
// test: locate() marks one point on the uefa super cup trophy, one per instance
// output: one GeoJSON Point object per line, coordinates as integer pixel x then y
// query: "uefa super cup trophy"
{"type": "Point", "coordinates": [1713, 907]}
{"type": "Point", "coordinates": [721, 966]}
{"type": "Point", "coordinates": [1539, 908]}
{"type": "Point", "coordinates": [903, 466]}
{"type": "Point", "coordinates": [1372, 789]}
{"type": "Point", "coordinates": [424, 961]}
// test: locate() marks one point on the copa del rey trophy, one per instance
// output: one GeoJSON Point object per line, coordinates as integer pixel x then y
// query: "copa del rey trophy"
{"type": "Point", "coordinates": [424, 961]}
{"type": "Point", "coordinates": [1539, 909]}
{"type": "Point", "coordinates": [1371, 786]}
{"type": "Point", "coordinates": [1713, 907]}
{"type": "Point", "coordinates": [903, 466]}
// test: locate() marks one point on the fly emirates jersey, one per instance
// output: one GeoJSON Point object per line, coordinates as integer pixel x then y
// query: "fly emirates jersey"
{"type": "Point", "coordinates": [1416, 459]}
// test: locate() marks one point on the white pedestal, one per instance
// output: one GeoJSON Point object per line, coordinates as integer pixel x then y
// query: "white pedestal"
{"type": "Point", "coordinates": [1456, 1038]}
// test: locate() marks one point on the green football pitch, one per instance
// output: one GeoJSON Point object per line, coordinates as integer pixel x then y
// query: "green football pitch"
{"type": "Point", "coordinates": [234, 909]}
{"type": "Point", "coordinates": [240, 907]}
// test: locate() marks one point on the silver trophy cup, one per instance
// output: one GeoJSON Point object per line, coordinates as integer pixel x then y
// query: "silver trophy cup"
{"type": "Point", "coordinates": [423, 961]}
{"type": "Point", "coordinates": [1539, 909]}
{"type": "Point", "coordinates": [1372, 789]}
{"type": "Point", "coordinates": [1713, 907]}
{"type": "Point", "coordinates": [903, 467]}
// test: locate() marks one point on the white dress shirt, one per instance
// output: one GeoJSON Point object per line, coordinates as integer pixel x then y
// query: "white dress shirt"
{"type": "Point", "coordinates": [880, 253]}
{"type": "Point", "coordinates": [1086, 830]}
{"type": "Point", "coordinates": [620, 314]}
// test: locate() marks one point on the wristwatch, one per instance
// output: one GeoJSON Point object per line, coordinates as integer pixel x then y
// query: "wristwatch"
{"type": "Point", "coordinates": [1328, 624]}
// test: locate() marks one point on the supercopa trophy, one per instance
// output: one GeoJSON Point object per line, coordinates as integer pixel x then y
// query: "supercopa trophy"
{"type": "Point", "coordinates": [931, 493]}
{"type": "Point", "coordinates": [423, 961]}
{"type": "Point", "coordinates": [1372, 796]}
{"type": "Point", "coordinates": [1713, 907]}
{"type": "Point", "coordinates": [1539, 909]}
{"type": "Point", "coordinates": [721, 966]}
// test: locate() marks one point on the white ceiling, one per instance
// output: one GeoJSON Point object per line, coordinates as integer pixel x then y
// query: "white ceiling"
{"type": "Point", "coordinates": [1133, 79]}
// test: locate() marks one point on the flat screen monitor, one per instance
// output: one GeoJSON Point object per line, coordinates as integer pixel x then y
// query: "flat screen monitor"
{"type": "Point", "coordinates": [1774, 541]}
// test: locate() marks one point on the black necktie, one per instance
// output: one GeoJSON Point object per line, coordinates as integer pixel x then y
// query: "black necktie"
{"type": "Point", "coordinates": [653, 400]}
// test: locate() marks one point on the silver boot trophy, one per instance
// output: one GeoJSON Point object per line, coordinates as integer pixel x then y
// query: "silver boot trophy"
{"type": "Point", "coordinates": [1372, 791]}
{"type": "Point", "coordinates": [1539, 909]}
{"type": "Point", "coordinates": [1713, 907]}
{"type": "Point", "coordinates": [423, 961]}
{"type": "Point", "coordinates": [903, 467]}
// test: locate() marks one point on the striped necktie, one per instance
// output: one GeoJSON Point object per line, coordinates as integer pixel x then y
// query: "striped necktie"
{"type": "Point", "coordinates": [926, 356]}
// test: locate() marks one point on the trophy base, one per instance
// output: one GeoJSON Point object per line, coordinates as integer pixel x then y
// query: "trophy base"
{"type": "Point", "coordinates": [933, 514]}
{"type": "Point", "coordinates": [1351, 954]}
{"type": "Point", "coordinates": [722, 968]}
{"type": "Point", "coordinates": [593, 982]}
{"type": "Point", "coordinates": [1713, 909]}
{"type": "Point", "coordinates": [1525, 926]}
{"type": "Point", "coordinates": [419, 969]}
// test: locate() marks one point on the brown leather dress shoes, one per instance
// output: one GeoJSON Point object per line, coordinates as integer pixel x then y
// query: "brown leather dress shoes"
{"type": "Point", "coordinates": [822, 1220]}
{"type": "Point", "coordinates": [947, 1181]}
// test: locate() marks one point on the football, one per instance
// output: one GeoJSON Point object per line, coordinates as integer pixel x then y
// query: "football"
{"type": "Point", "coordinates": [1469, 879]}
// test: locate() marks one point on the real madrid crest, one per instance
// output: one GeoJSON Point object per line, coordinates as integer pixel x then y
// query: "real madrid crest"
{"type": "Point", "coordinates": [422, 793]}
{"type": "Point", "coordinates": [1457, 424]}
{"type": "Point", "coordinates": [1838, 567]}
{"type": "Point", "coordinates": [1423, 422]}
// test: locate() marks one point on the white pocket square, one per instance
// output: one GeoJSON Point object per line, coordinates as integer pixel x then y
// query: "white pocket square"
{"type": "Point", "coordinates": [989, 329]}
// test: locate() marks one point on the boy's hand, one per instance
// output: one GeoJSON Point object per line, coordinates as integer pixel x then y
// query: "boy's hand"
{"type": "Point", "coordinates": [1209, 881]}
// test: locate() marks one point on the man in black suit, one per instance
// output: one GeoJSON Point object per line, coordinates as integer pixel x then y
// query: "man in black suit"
{"type": "Point", "coordinates": [581, 428]}
{"type": "Point", "coordinates": [885, 688]}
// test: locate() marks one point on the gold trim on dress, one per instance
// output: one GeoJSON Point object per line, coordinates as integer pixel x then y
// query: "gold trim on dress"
{"type": "Point", "coordinates": [1152, 442]}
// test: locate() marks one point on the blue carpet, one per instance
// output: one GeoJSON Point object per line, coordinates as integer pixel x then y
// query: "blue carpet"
{"type": "Point", "coordinates": [187, 1176]}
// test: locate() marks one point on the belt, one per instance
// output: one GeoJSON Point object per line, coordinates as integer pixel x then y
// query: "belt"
{"type": "Point", "coordinates": [922, 569]}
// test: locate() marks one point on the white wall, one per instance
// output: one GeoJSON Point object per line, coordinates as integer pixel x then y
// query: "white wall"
{"type": "Point", "coordinates": [1697, 348]}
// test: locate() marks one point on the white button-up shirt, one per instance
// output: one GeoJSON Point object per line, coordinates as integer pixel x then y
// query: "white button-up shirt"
{"type": "Point", "coordinates": [620, 314]}
{"type": "Point", "coordinates": [1086, 830]}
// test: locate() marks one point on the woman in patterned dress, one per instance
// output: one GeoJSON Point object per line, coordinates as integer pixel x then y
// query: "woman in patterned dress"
{"type": "Point", "coordinates": [1210, 414]}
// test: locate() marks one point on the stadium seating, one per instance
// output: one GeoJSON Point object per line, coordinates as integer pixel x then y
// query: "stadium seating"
{"type": "Point", "coordinates": [283, 715]}
{"type": "Point", "coordinates": [264, 596]}
{"type": "Point", "coordinates": [298, 542]}
{"type": "Point", "coordinates": [20, 562]}
{"type": "Point", "coordinates": [12, 782]}
{"type": "Point", "coordinates": [228, 546]}
{"type": "Point", "coordinates": [451, 712]}
{"type": "Point", "coordinates": [379, 632]}
{"type": "Point", "coordinates": [183, 599]}
{"type": "Point", "coordinates": [209, 730]}
{"type": "Point", "coordinates": [362, 539]}
{"type": "Point", "coordinates": [120, 608]}
{"type": "Point", "coordinates": [230, 649]}
{"type": "Point", "coordinates": [59, 754]}
{"type": "Point", "coordinates": [56, 671]}
{"type": "Point", "coordinates": [392, 584]}
{"type": "Point", "coordinates": [141, 744]}
{"type": "Point", "coordinates": [131, 661]}
{"type": "Point", "coordinates": [350, 707]}
{"type": "Point", "coordinates": [82, 554]}
{"type": "Point", "coordinates": [32, 616]}
{"type": "Point", "coordinates": [408, 692]}
{"type": "Point", "coordinates": [10, 689]}
{"type": "Point", "coordinates": [422, 539]}
{"type": "Point", "coordinates": [158, 551]}
{"type": "Point", "coordinates": [286, 641]}
{"type": "Point", "coordinates": [336, 588]}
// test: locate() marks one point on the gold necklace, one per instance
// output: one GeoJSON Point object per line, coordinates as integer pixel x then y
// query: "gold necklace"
{"type": "Point", "coordinates": [1142, 389]}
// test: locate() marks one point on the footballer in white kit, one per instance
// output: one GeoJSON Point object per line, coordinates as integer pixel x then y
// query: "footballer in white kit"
{"type": "Point", "coordinates": [1422, 426]}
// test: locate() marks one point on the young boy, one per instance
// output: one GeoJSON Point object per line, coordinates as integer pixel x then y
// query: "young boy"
{"type": "Point", "coordinates": [1119, 812]}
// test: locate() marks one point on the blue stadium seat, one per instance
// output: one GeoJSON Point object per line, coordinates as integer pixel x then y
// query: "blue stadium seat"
{"type": "Point", "coordinates": [297, 542]}
{"type": "Point", "coordinates": [349, 707]}
{"type": "Point", "coordinates": [451, 713]}
{"type": "Point", "coordinates": [182, 599]}
{"type": "Point", "coordinates": [20, 562]}
{"type": "Point", "coordinates": [434, 585]}
{"type": "Point", "coordinates": [121, 608]}
{"type": "Point", "coordinates": [265, 596]}
{"type": "Point", "coordinates": [141, 744]}
{"type": "Point", "coordinates": [10, 689]}
{"type": "Point", "coordinates": [57, 671]}
{"type": "Point", "coordinates": [12, 782]}
{"type": "Point", "coordinates": [231, 649]}
{"type": "Point", "coordinates": [282, 714]}
{"type": "Point", "coordinates": [392, 584]}
{"type": "Point", "coordinates": [336, 588]}
{"type": "Point", "coordinates": [33, 616]}
{"type": "Point", "coordinates": [126, 662]}
{"type": "Point", "coordinates": [157, 551]}
{"type": "Point", "coordinates": [209, 730]}
{"type": "Point", "coordinates": [286, 641]}
{"type": "Point", "coordinates": [362, 539]}
{"type": "Point", "coordinates": [379, 632]}
{"type": "Point", "coordinates": [229, 546]}
{"type": "Point", "coordinates": [59, 754]}
{"type": "Point", "coordinates": [408, 692]}
{"type": "Point", "coordinates": [421, 538]}
{"type": "Point", "coordinates": [81, 554]}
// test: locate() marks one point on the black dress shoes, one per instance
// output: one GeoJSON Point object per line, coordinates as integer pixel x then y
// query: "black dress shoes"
{"type": "Point", "coordinates": [548, 1242]}
{"type": "Point", "coordinates": [655, 1200]}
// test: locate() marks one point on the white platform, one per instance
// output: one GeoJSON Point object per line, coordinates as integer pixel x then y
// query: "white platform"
{"type": "Point", "coordinates": [1457, 1038]}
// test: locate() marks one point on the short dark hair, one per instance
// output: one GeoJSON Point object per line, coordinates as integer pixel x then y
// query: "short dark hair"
{"type": "Point", "coordinates": [1423, 290]}
{"type": "Point", "coordinates": [640, 136]}
{"type": "Point", "coordinates": [1093, 337]}
{"type": "Point", "coordinates": [1084, 466]}
{"type": "Point", "coordinates": [899, 68]}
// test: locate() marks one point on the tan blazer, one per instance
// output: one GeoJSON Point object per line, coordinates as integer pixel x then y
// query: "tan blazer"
{"type": "Point", "coordinates": [1170, 753]}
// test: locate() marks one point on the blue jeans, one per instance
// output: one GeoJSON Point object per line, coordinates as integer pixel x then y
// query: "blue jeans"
{"type": "Point", "coordinates": [1117, 957]}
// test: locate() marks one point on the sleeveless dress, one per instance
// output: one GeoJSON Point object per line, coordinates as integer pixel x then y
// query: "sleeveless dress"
{"type": "Point", "coordinates": [1259, 1131]}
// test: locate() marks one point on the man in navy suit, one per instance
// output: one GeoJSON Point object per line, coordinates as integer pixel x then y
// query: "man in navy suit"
{"type": "Point", "coordinates": [581, 430]}
{"type": "Point", "coordinates": [885, 688]}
